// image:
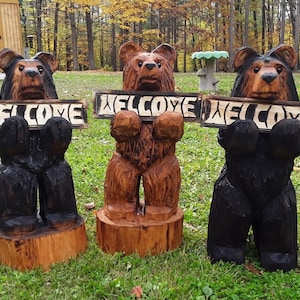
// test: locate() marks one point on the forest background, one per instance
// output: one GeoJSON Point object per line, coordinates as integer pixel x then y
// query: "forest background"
{"type": "Point", "coordinates": [86, 34]}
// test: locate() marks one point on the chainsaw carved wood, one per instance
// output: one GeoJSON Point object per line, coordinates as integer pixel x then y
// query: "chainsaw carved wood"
{"type": "Point", "coordinates": [144, 160]}
{"type": "Point", "coordinates": [254, 188]}
{"type": "Point", "coordinates": [37, 199]}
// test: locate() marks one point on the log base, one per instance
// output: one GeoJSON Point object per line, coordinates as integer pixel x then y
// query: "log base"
{"type": "Point", "coordinates": [43, 248]}
{"type": "Point", "coordinates": [141, 236]}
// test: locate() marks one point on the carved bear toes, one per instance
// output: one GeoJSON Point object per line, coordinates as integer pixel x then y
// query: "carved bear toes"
{"type": "Point", "coordinates": [20, 225]}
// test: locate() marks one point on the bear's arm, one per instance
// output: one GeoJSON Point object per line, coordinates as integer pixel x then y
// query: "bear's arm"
{"type": "Point", "coordinates": [239, 138]}
{"type": "Point", "coordinates": [125, 124]}
{"type": "Point", "coordinates": [284, 139]}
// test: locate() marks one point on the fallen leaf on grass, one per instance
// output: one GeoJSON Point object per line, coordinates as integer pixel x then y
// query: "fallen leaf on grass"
{"type": "Point", "coordinates": [137, 291]}
{"type": "Point", "coordinates": [252, 269]}
{"type": "Point", "coordinates": [89, 206]}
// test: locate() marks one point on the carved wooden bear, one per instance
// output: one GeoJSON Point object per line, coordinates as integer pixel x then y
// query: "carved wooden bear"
{"type": "Point", "coordinates": [144, 150]}
{"type": "Point", "coordinates": [254, 187]}
{"type": "Point", "coordinates": [33, 160]}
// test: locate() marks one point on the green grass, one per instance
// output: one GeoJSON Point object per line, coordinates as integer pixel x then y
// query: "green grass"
{"type": "Point", "coordinates": [185, 273]}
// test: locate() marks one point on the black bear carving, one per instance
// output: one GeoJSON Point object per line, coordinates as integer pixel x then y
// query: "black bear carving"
{"type": "Point", "coordinates": [33, 165]}
{"type": "Point", "coordinates": [254, 187]}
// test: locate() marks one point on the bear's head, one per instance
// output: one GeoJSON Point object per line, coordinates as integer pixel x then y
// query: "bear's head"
{"type": "Point", "coordinates": [266, 76]}
{"type": "Point", "coordinates": [148, 71]}
{"type": "Point", "coordinates": [27, 78]}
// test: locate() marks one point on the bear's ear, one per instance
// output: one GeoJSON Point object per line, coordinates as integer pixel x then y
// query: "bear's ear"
{"type": "Point", "coordinates": [128, 50]}
{"type": "Point", "coordinates": [241, 55]}
{"type": "Point", "coordinates": [7, 56]}
{"type": "Point", "coordinates": [285, 53]}
{"type": "Point", "coordinates": [47, 59]}
{"type": "Point", "coordinates": [166, 51]}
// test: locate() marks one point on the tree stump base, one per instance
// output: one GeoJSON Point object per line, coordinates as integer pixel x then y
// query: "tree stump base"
{"type": "Point", "coordinates": [141, 236]}
{"type": "Point", "coordinates": [43, 247]}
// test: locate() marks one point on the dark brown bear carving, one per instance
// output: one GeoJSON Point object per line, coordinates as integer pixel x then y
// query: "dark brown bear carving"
{"type": "Point", "coordinates": [33, 161]}
{"type": "Point", "coordinates": [254, 188]}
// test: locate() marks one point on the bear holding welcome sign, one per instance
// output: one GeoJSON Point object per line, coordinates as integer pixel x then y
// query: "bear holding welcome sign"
{"type": "Point", "coordinates": [33, 165]}
{"type": "Point", "coordinates": [145, 155]}
{"type": "Point", "coordinates": [254, 187]}
{"type": "Point", "coordinates": [33, 160]}
{"type": "Point", "coordinates": [145, 150]}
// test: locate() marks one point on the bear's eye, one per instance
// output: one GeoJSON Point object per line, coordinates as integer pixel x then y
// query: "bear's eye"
{"type": "Point", "coordinates": [256, 69]}
{"type": "Point", "coordinates": [158, 64]}
{"type": "Point", "coordinates": [41, 69]}
{"type": "Point", "coordinates": [140, 63]}
{"type": "Point", "coordinates": [279, 70]}
{"type": "Point", "coordinates": [21, 68]}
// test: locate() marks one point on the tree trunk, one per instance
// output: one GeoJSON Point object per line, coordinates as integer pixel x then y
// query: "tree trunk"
{"type": "Point", "coordinates": [231, 35]}
{"type": "Point", "coordinates": [91, 57]}
{"type": "Point", "coordinates": [245, 41]}
{"type": "Point", "coordinates": [297, 24]}
{"type": "Point", "coordinates": [141, 237]}
{"type": "Point", "coordinates": [175, 41]}
{"type": "Point", "coordinates": [255, 23]}
{"type": "Point", "coordinates": [263, 27]}
{"type": "Point", "coordinates": [41, 250]}
{"type": "Point", "coordinates": [74, 41]}
{"type": "Point", "coordinates": [270, 22]}
{"type": "Point", "coordinates": [55, 29]}
{"type": "Point", "coordinates": [184, 47]}
{"type": "Point", "coordinates": [68, 46]}
{"type": "Point", "coordinates": [113, 47]}
{"type": "Point", "coordinates": [282, 23]}
{"type": "Point", "coordinates": [38, 25]}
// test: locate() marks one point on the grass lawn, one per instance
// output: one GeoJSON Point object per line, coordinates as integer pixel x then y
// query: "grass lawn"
{"type": "Point", "coordinates": [185, 273]}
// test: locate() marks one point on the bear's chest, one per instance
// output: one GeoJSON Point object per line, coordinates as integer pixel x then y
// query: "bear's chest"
{"type": "Point", "coordinates": [260, 175]}
{"type": "Point", "coordinates": [144, 150]}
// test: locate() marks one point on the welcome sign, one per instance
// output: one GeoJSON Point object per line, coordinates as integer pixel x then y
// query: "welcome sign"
{"type": "Point", "coordinates": [38, 112]}
{"type": "Point", "coordinates": [209, 110]}
{"type": "Point", "coordinates": [223, 111]}
{"type": "Point", "coordinates": [147, 105]}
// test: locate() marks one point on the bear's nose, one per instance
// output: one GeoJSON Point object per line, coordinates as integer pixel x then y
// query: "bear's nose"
{"type": "Point", "coordinates": [269, 77]}
{"type": "Point", "coordinates": [150, 66]}
{"type": "Point", "coordinates": [32, 73]}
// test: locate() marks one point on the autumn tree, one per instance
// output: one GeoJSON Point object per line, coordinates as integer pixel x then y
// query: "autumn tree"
{"type": "Point", "coordinates": [86, 34]}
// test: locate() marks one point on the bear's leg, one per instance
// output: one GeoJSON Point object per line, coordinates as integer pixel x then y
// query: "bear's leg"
{"type": "Point", "coordinates": [18, 200]}
{"type": "Point", "coordinates": [18, 186]}
{"type": "Point", "coordinates": [121, 189]}
{"type": "Point", "coordinates": [229, 223]}
{"type": "Point", "coordinates": [57, 199]}
{"type": "Point", "coordinates": [275, 232]}
{"type": "Point", "coordinates": [161, 188]}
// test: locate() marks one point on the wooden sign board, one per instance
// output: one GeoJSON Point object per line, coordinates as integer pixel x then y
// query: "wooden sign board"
{"type": "Point", "coordinates": [222, 111]}
{"type": "Point", "coordinates": [38, 112]}
{"type": "Point", "coordinates": [147, 105]}
{"type": "Point", "coordinates": [210, 111]}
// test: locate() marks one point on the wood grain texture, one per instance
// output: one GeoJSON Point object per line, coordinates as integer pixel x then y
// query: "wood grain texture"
{"type": "Point", "coordinates": [42, 249]}
{"type": "Point", "coordinates": [139, 236]}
